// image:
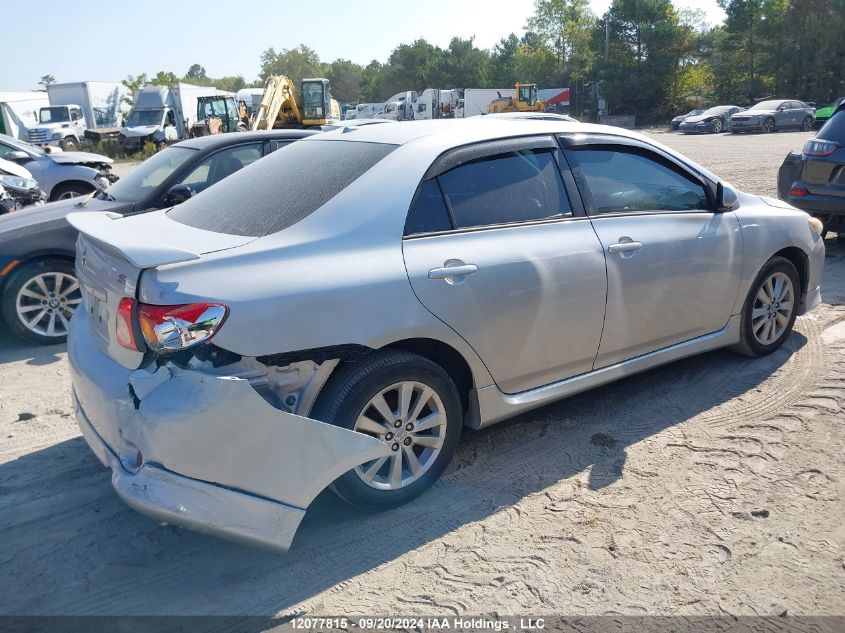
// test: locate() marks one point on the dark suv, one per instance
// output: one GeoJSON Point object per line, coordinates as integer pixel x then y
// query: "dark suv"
{"type": "Point", "coordinates": [814, 179]}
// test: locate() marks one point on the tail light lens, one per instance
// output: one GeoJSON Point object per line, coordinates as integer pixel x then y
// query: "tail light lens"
{"type": "Point", "coordinates": [176, 327]}
{"type": "Point", "coordinates": [125, 328]}
{"type": "Point", "coordinates": [798, 192]}
{"type": "Point", "coordinates": [818, 147]}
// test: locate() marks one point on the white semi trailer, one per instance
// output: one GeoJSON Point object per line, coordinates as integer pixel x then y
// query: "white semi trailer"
{"type": "Point", "coordinates": [476, 100]}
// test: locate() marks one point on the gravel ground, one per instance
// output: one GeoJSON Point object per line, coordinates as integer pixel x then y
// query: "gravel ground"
{"type": "Point", "coordinates": [710, 486]}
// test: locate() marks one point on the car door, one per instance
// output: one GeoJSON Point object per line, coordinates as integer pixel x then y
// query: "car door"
{"type": "Point", "coordinates": [673, 264]}
{"type": "Point", "coordinates": [498, 251]}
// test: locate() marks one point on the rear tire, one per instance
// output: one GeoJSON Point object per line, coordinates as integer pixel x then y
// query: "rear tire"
{"type": "Point", "coordinates": [29, 314]}
{"type": "Point", "coordinates": [767, 126]}
{"type": "Point", "coordinates": [807, 124]}
{"type": "Point", "coordinates": [718, 126]}
{"type": "Point", "coordinates": [353, 399]}
{"type": "Point", "coordinates": [770, 309]}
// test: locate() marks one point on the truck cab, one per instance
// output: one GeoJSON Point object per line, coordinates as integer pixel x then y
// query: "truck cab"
{"type": "Point", "coordinates": [153, 119]}
{"type": "Point", "coordinates": [216, 115]}
{"type": "Point", "coordinates": [60, 126]}
{"type": "Point", "coordinates": [317, 103]}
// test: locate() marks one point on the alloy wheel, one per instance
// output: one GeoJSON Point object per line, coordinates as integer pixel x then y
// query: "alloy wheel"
{"type": "Point", "coordinates": [409, 417]}
{"type": "Point", "coordinates": [46, 303]}
{"type": "Point", "coordinates": [772, 308]}
{"type": "Point", "coordinates": [717, 126]}
{"type": "Point", "coordinates": [768, 125]}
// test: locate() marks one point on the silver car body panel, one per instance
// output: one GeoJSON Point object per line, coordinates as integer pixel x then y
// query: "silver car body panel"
{"type": "Point", "coordinates": [344, 275]}
{"type": "Point", "coordinates": [216, 456]}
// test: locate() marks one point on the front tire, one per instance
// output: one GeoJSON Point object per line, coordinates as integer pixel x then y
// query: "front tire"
{"type": "Point", "coordinates": [770, 308]}
{"type": "Point", "coordinates": [69, 144]}
{"type": "Point", "coordinates": [71, 190]}
{"type": "Point", "coordinates": [718, 126]}
{"type": "Point", "coordinates": [406, 401]}
{"type": "Point", "coordinates": [39, 300]}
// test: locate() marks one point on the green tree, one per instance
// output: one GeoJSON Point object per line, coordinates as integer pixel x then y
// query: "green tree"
{"type": "Point", "coordinates": [345, 78]}
{"type": "Point", "coordinates": [133, 84]}
{"type": "Point", "coordinates": [46, 80]}
{"type": "Point", "coordinates": [196, 74]}
{"type": "Point", "coordinates": [465, 64]}
{"type": "Point", "coordinates": [297, 63]}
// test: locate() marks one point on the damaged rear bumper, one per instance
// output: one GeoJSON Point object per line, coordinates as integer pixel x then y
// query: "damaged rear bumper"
{"type": "Point", "coordinates": [216, 457]}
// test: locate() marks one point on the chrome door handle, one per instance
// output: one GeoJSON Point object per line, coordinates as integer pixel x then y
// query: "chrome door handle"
{"type": "Point", "coordinates": [452, 271]}
{"type": "Point", "coordinates": [624, 247]}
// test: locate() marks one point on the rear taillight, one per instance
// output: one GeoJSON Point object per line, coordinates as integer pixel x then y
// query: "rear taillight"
{"type": "Point", "coordinates": [818, 147]}
{"type": "Point", "coordinates": [798, 192]}
{"type": "Point", "coordinates": [172, 328]}
{"type": "Point", "coordinates": [125, 328]}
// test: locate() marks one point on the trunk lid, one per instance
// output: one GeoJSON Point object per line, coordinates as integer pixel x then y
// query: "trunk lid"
{"type": "Point", "coordinates": [111, 254]}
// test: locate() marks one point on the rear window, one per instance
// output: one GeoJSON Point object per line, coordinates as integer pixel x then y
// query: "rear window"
{"type": "Point", "coordinates": [278, 191]}
{"type": "Point", "coordinates": [834, 129]}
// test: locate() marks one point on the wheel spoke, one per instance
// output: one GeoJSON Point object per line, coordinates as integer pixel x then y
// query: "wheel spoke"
{"type": "Point", "coordinates": [413, 460]}
{"type": "Point", "coordinates": [383, 408]}
{"type": "Point", "coordinates": [428, 441]}
{"type": "Point", "coordinates": [370, 473]}
{"type": "Point", "coordinates": [777, 288]}
{"type": "Point", "coordinates": [762, 297]}
{"type": "Point", "coordinates": [425, 396]}
{"type": "Point", "coordinates": [371, 426]}
{"type": "Point", "coordinates": [51, 325]}
{"type": "Point", "coordinates": [757, 326]}
{"type": "Point", "coordinates": [26, 292]}
{"type": "Point", "coordinates": [74, 285]}
{"type": "Point", "coordinates": [64, 321]}
{"type": "Point", "coordinates": [396, 470]}
{"type": "Point", "coordinates": [30, 308]}
{"type": "Point", "coordinates": [428, 422]}
{"type": "Point", "coordinates": [74, 302]}
{"type": "Point", "coordinates": [756, 313]}
{"type": "Point", "coordinates": [406, 393]}
{"type": "Point", "coordinates": [781, 319]}
{"type": "Point", "coordinates": [39, 281]}
{"type": "Point", "coordinates": [58, 280]}
{"type": "Point", "coordinates": [38, 317]}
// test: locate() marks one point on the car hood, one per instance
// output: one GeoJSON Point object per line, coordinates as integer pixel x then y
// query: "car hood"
{"type": "Point", "coordinates": [13, 169]}
{"type": "Point", "coordinates": [698, 118]}
{"type": "Point", "coordinates": [35, 218]}
{"type": "Point", "coordinates": [754, 112]}
{"type": "Point", "coordinates": [80, 158]}
{"type": "Point", "coordinates": [140, 130]}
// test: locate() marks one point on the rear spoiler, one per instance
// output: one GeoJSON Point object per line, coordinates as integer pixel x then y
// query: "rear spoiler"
{"type": "Point", "coordinates": [139, 248]}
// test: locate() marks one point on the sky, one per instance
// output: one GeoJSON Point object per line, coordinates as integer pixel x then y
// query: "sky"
{"type": "Point", "coordinates": [227, 37]}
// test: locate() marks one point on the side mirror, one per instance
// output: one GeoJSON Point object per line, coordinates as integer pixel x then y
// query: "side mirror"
{"type": "Point", "coordinates": [177, 194]}
{"type": "Point", "coordinates": [725, 197]}
{"type": "Point", "coordinates": [17, 155]}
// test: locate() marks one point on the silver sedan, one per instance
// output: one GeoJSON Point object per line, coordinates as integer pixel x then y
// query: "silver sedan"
{"type": "Point", "coordinates": [260, 342]}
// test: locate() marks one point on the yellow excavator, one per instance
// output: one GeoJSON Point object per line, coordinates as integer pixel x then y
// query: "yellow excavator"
{"type": "Point", "coordinates": [283, 105]}
{"type": "Point", "coordinates": [525, 101]}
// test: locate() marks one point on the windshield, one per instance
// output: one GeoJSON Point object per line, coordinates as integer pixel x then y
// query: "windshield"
{"type": "Point", "coordinates": [146, 177]}
{"type": "Point", "coordinates": [715, 110]}
{"type": "Point", "coordinates": [23, 145]}
{"type": "Point", "coordinates": [144, 117]}
{"type": "Point", "coordinates": [53, 115]}
{"type": "Point", "coordinates": [312, 94]}
{"type": "Point", "coordinates": [765, 105]}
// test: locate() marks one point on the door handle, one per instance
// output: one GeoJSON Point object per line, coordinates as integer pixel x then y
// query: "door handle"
{"type": "Point", "coordinates": [624, 247]}
{"type": "Point", "coordinates": [452, 271]}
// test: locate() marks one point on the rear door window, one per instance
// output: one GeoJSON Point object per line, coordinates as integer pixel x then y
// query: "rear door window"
{"type": "Point", "coordinates": [221, 165]}
{"type": "Point", "coordinates": [520, 186]}
{"type": "Point", "coordinates": [834, 129]}
{"type": "Point", "coordinates": [282, 189]}
{"type": "Point", "coordinates": [629, 180]}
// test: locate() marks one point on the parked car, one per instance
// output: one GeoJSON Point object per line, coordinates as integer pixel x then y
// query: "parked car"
{"type": "Point", "coordinates": [675, 123]}
{"type": "Point", "coordinates": [823, 114]}
{"type": "Point", "coordinates": [712, 121]}
{"type": "Point", "coordinates": [19, 187]}
{"type": "Point", "coordinates": [778, 114]}
{"type": "Point", "coordinates": [60, 174]}
{"type": "Point", "coordinates": [38, 288]}
{"type": "Point", "coordinates": [235, 356]}
{"type": "Point", "coordinates": [814, 179]}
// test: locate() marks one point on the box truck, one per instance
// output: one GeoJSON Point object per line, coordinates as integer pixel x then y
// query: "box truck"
{"type": "Point", "coordinates": [19, 112]}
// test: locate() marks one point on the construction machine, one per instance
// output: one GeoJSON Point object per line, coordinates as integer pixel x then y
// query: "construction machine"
{"type": "Point", "coordinates": [216, 115]}
{"type": "Point", "coordinates": [283, 105]}
{"type": "Point", "coordinates": [526, 100]}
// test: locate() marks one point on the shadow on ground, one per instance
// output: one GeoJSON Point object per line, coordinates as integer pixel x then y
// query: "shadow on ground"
{"type": "Point", "coordinates": [69, 546]}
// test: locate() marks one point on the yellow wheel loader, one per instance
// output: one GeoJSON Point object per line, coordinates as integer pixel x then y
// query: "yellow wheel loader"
{"type": "Point", "coordinates": [525, 101]}
{"type": "Point", "coordinates": [283, 105]}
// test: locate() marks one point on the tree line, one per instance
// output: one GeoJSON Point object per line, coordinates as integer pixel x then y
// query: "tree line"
{"type": "Point", "coordinates": [642, 57]}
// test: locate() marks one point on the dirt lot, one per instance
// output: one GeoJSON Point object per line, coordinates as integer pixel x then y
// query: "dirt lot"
{"type": "Point", "coordinates": [710, 486]}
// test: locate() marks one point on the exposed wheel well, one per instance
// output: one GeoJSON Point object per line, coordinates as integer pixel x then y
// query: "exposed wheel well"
{"type": "Point", "coordinates": [60, 187]}
{"type": "Point", "coordinates": [799, 260]}
{"type": "Point", "coordinates": [444, 355]}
